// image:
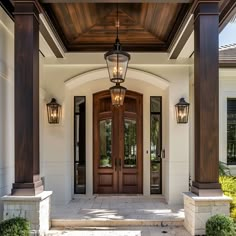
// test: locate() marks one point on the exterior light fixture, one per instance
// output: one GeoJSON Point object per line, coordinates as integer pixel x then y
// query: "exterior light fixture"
{"type": "Point", "coordinates": [117, 95]}
{"type": "Point", "coordinates": [182, 111]}
{"type": "Point", "coordinates": [117, 64]}
{"type": "Point", "coordinates": [117, 60]}
{"type": "Point", "coordinates": [54, 111]}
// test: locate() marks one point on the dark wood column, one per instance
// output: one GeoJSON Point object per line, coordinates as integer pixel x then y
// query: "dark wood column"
{"type": "Point", "coordinates": [206, 82]}
{"type": "Point", "coordinates": [27, 179]}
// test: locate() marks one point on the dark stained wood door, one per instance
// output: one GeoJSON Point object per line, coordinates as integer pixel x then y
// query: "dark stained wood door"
{"type": "Point", "coordinates": [117, 143]}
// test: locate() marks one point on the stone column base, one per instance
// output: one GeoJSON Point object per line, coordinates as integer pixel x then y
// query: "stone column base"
{"type": "Point", "coordinates": [36, 209]}
{"type": "Point", "coordinates": [199, 209]}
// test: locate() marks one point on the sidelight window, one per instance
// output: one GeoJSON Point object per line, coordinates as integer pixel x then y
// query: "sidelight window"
{"type": "Point", "coordinates": [79, 146]}
{"type": "Point", "coordinates": [155, 144]}
{"type": "Point", "coordinates": [231, 131]}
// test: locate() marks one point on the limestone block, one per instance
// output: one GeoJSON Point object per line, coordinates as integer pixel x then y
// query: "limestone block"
{"type": "Point", "coordinates": [34, 208]}
{"type": "Point", "coordinates": [199, 209]}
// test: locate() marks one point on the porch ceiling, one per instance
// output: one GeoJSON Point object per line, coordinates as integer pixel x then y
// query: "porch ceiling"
{"type": "Point", "coordinates": [145, 26]}
{"type": "Point", "coordinates": [85, 26]}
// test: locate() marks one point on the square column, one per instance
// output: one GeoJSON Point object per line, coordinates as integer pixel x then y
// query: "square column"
{"type": "Point", "coordinates": [206, 97]}
{"type": "Point", "coordinates": [207, 197]}
{"type": "Point", "coordinates": [27, 176]}
{"type": "Point", "coordinates": [27, 200]}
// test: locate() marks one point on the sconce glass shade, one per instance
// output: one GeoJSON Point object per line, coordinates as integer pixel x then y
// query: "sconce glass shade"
{"type": "Point", "coordinates": [54, 112]}
{"type": "Point", "coordinates": [117, 95]}
{"type": "Point", "coordinates": [117, 63]}
{"type": "Point", "coordinates": [182, 111]}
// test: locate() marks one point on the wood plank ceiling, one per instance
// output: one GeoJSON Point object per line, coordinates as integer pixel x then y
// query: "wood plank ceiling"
{"type": "Point", "coordinates": [91, 26]}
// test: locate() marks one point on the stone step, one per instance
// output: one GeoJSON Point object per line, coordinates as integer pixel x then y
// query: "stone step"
{"type": "Point", "coordinates": [78, 223]}
{"type": "Point", "coordinates": [121, 231]}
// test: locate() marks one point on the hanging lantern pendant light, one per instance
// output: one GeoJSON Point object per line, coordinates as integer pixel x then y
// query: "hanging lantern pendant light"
{"type": "Point", "coordinates": [117, 60]}
{"type": "Point", "coordinates": [117, 95]}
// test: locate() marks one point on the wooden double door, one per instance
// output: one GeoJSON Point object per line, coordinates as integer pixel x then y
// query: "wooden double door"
{"type": "Point", "coordinates": [117, 144]}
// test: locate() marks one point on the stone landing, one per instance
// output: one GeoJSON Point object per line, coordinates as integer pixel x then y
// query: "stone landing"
{"type": "Point", "coordinates": [116, 211]}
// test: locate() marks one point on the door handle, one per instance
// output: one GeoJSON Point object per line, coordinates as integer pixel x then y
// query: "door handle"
{"type": "Point", "coordinates": [119, 162]}
{"type": "Point", "coordinates": [163, 154]}
{"type": "Point", "coordinates": [115, 164]}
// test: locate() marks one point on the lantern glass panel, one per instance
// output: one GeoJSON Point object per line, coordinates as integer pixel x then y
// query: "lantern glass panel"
{"type": "Point", "coordinates": [117, 95]}
{"type": "Point", "coordinates": [117, 64]}
{"type": "Point", "coordinates": [54, 112]}
{"type": "Point", "coordinates": [182, 113]}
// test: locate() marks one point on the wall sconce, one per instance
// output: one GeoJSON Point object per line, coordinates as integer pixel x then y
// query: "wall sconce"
{"type": "Point", "coordinates": [54, 111]}
{"type": "Point", "coordinates": [182, 111]}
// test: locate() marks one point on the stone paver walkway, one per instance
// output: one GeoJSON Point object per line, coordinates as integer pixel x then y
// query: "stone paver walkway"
{"type": "Point", "coordinates": [118, 208]}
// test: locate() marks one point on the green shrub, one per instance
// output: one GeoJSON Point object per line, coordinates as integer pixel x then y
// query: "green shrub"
{"type": "Point", "coordinates": [15, 227]}
{"type": "Point", "coordinates": [228, 184]}
{"type": "Point", "coordinates": [220, 225]}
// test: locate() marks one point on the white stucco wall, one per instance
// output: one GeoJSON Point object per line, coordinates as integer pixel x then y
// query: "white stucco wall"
{"type": "Point", "coordinates": [191, 124]}
{"type": "Point", "coordinates": [58, 168]}
{"type": "Point", "coordinates": [88, 89]}
{"type": "Point", "coordinates": [57, 163]}
{"type": "Point", "coordinates": [175, 136]}
{"type": "Point", "coordinates": [227, 90]}
{"type": "Point", "coordinates": [6, 104]}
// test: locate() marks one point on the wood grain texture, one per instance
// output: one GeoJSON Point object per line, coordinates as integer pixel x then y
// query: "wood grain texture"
{"type": "Point", "coordinates": [115, 1]}
{"type": "Point", "coordinates": [91, 26]}
{"type": "Point", "coordinates": [26, 99]}
{"type": "Point", "coordinates": [206, 91]}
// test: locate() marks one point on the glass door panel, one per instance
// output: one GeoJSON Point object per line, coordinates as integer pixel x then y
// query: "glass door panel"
{"type": "Point", "coordinates": [105, 129]}
{"type": "Point", "coordinates": [130, 143]}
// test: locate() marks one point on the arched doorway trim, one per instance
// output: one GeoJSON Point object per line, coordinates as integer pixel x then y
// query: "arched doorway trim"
{"type": "Point", "coordinates": [132, 73]}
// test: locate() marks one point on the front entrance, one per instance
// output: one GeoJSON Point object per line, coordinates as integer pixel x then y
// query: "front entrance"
{"type": "Point", "coordinates": [118, 150]}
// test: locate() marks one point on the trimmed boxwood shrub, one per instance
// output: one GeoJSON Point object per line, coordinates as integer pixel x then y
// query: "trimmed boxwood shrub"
{"type": "Point", "coordinates": [15, 227]}
{"type": "Point", "coordinates": [228, 184]}
{"type": "Point", "coordinates": [220, 225]}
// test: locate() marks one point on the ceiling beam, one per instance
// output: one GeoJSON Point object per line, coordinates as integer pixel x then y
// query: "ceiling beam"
{"type": "Point", "coordinates": [182, 38]}
{"type": "Point", "coordinates": [182, 35]}
{"type": "Point", "coordinates": [51, 37]}
{"type": "Point", "coordinates": [8, 7]}
{"type": "Point", "coordinates": [115, 1]}
{"type": "Point", "coordinates": [227, 11]}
